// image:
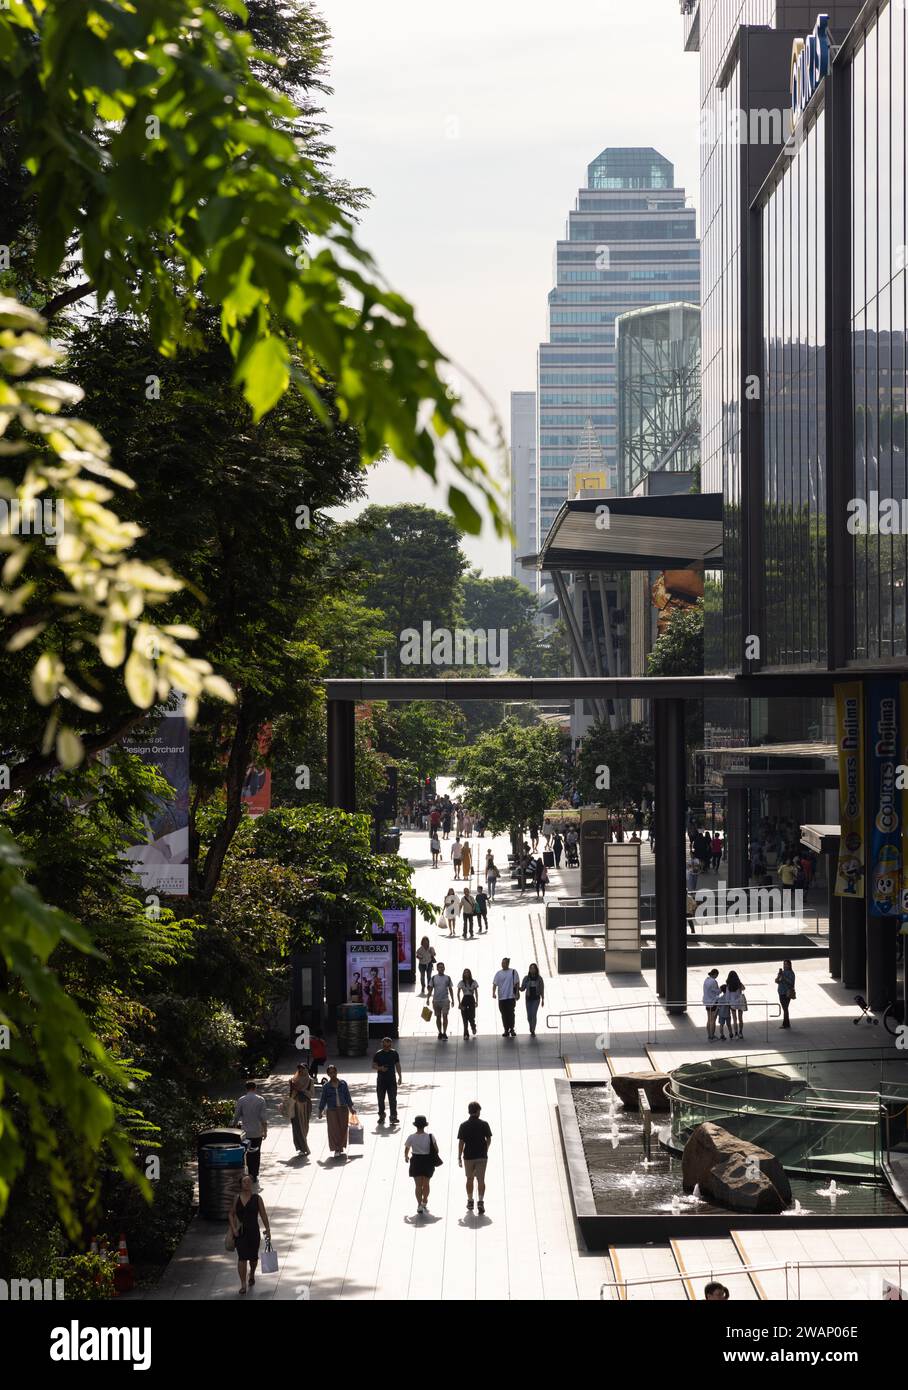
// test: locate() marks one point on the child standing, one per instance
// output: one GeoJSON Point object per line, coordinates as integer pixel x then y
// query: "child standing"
{"type": "Point", "coordinates": [724, 1014]}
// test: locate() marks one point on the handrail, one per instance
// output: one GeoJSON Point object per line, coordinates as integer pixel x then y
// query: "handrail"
{"type": "Point", "coordinates": [771, 1100]}
{"type": "Point", "coordinates": [653, 1004]}
{"type": "Point", "coordinates": [786, 1265]}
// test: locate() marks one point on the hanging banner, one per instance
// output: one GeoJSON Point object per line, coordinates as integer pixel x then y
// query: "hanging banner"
{"type": "Point", "coordinates": [886, 838]}
{"type": "Point", "coordinates": [161, 862]}
{"type": "Point", "coordinates": [902, 784]}
{"type": "Point", "coordinates": [849, 881]}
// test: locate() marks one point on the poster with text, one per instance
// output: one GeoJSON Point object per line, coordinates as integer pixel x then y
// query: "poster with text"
{"type": "Point", "coordinates": [849, 720]}
{"type": "Point", "coordinates": [161, 861]}
{"type": "Point", "coordinates": [400, 922]}
{"type": "Point", "coordinates": [370, 975]}
{"type": "Point", "coordinates": [885, 836]}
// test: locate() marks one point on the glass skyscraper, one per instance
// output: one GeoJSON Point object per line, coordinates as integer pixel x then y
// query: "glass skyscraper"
{"type": "Point", "coordinates": [630, 242]}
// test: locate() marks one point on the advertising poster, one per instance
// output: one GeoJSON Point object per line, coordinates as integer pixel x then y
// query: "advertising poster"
{"type": "Point", "coordinates": [371, 977]}
{"type": "Point", "coordinates": [257, 784]}
{"type": "Point", "coordinates": [162, 860]}
{"type": "Point", "coordinates": [902, 780]}
{"type": "Point", "coordinates": [849, 721]}
{"type": "Point", "coordinates": [400, 922]}
{"type": "Point", "coordinates": [885, 839]}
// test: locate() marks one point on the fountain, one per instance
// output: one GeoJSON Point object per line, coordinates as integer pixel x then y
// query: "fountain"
{"type": "Point", "coordinates": [796, 1210]}
{"type": "Point", "coordinates": [832, 1191]}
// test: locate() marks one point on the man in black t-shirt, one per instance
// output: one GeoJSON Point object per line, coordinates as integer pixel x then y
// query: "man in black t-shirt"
{"type": "Point", "coordinates": [387, 1063]}
{"type": "Point", "coordinates": [473, 1140]}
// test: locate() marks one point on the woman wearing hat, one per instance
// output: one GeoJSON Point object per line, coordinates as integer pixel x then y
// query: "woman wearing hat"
{"type": "Point", "coordinates": [423, 1162]}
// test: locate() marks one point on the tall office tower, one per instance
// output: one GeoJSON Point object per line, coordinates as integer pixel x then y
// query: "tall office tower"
{"type": "Point", "coordinates": [523, 485]}
{"type": "Point", "coordinates": [630, 241]}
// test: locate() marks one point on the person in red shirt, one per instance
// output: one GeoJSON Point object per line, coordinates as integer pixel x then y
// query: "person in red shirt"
{"type": "Point", "coordinates": [318, 1054]}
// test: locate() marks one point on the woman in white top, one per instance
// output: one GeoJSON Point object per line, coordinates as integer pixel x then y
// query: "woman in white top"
{"type": "Point", "coordinates": [736, 1001]}
{"type": "Point", "coordinates": [468, 1002]}
{"type": "Point", "coordinates": [451, 909]}
{"type": "Point", "coordinates": [425, 955]}
{"type": "Point", "coordinates": [422, 1165]}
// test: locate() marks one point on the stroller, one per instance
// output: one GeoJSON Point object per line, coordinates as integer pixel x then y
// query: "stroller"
{"type": "Point", "coordinates": [573, 859]}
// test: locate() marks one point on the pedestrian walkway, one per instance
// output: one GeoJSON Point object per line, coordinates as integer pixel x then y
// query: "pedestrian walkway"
{"type": "Point", "coordinates": [348, 1229]}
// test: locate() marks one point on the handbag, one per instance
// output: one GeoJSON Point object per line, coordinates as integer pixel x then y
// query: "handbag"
{"type": "Point", "coordinates": [268, 1260]}
{"type": "Point", "coordinates": [229, 1240]}
{"type": "Point", "coordinates": [426, 1013]}
{"type": "Point", "coordinates": [287, 1107]}
{"type": "Point", "coordinates": [436, 1156]}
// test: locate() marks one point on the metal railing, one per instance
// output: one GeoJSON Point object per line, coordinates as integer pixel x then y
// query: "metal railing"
{"type": "Point", "coordinates": [652, 1007]}
{"type": "Point", "coordinates": [754, 923]}
{"type": "Point", "coordinates": [790, 1267]}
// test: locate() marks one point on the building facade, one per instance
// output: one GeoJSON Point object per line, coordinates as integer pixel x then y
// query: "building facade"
{"type": "Point", "coordinates": [523, 485]}
{"type": "Point", "coordinates": [658, 393]}
{"type": "Point", "coordinates": [630, 242]}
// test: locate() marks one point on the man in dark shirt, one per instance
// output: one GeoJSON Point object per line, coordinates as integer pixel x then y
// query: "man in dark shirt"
{"type": "Point", "coordinates": [473, 1140]}
{"type": "Point", "coordinates": [387, 1063]}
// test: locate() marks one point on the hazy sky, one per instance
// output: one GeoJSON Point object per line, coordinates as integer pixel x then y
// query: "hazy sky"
{"type": "Point", "coordinates": [473, 124]}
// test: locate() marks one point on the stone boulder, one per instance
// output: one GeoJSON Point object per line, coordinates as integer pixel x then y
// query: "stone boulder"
{"type": "Point", "coordinates": [733, 1172]}
{"type": "Point", "coordinates": [652, 1082]}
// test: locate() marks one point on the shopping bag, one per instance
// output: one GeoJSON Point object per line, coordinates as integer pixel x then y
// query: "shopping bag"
{"type": "Point", "coordinates": [426, 1013]}
{"type": "Point", "coordinates": [355, 1134]}
{"type": "Point", "coordinates": [229, 1240]}
{"type": "Point", "coordinates": [268, 1261]}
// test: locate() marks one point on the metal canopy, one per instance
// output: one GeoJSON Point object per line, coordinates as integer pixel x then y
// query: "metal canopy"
{"type": "Point", "coordinates": [643, 533]}
{"type": "Point", "coordinates": [804, 684]}
{"type": "Point", "coordinates": [775, 750]}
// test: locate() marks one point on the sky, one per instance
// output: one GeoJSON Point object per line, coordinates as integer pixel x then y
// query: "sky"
{"type": "Point", "coordinates": [472, 125]}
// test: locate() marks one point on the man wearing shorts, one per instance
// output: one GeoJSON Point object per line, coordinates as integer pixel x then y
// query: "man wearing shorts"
{"type": "Point", "coordinates": [442, 999]}
{"type": "Point", "coordinates": [473, 1140]}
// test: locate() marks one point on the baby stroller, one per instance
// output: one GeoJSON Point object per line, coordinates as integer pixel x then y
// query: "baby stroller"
{"type": "Point", "coordinates": [573, 860]}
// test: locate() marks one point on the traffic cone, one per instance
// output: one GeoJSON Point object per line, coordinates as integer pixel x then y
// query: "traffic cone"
{"type": "Point", "coordinates": [124, 1278]}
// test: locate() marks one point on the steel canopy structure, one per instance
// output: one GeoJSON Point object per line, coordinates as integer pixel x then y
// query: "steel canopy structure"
{"type": "Point", "coordinates": [634, 533]}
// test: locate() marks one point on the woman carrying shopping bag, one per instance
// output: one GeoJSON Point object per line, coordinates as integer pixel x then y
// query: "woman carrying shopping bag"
{"type": "Point", "coordinates": [338, 1103]}
{"type": "Point", "coordinates": [248, 1210]}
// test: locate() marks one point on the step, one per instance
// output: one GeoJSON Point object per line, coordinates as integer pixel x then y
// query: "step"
{"type": "Point", "coordinates": [694, 1255]}
{"type": "Point", "coordinates": [637, 1261]}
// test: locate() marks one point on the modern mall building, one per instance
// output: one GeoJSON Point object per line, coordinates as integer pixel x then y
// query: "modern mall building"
{"type": "Point", "coordinates": [804, 233]}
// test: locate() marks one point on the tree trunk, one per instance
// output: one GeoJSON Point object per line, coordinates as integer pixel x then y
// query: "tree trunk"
{"type": "Point", "coordinates": [241, 748]}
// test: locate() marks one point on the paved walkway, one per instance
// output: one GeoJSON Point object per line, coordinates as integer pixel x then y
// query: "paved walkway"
{"type": "Point", "coordinates": [349, 1229]}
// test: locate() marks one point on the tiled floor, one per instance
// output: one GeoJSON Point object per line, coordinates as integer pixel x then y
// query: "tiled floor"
{"type": "Point", "coordinates": [348, 1229]}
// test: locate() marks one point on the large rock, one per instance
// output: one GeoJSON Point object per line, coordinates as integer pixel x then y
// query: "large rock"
{"type": "Point", "coordinates": [652, 1082]}
{"type": "Point", "coordinates": [734, 1172]}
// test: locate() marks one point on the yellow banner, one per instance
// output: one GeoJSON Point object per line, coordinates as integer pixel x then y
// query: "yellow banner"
{"type": "Point", "coordinates": [849, 720]}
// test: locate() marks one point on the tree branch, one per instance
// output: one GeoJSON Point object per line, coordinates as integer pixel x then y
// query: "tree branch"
{"type": "Point", "coordinates": [40, 764]}
{"type": "Point", "coordinates": [70, 296]}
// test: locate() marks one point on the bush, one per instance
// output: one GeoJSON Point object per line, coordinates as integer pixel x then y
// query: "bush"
{"type": "Point", "coordinates": [88, 1278]}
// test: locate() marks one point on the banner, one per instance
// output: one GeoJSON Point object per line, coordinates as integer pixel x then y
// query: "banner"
{"type": "Point", "coordinates": [162, 860]}
{"type": "Point", "coordinates": [902, 783]}
{"type": "Point", "coordinates": [400, 922]}
{"type": "Point", "coordinates": [886, 839]}
{"type": "Point", "coordinates": [849, 720]}
{"type": "Point", "coordinates": [369, 967]}
{"type": "Point", "coordinates": [256, 792]}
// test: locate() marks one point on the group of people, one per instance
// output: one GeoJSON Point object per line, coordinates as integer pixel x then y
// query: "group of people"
{"type": "Point", "coordinates": [776, 850]}
{"type": "Point", "coordinates": [726, 1004]}
{"type": "Point", "coordinates": [706, 850]}
{"type": "Point", "coordinates": [507, 987]}
{"type": "Point", "coordinates": [474, 1138]}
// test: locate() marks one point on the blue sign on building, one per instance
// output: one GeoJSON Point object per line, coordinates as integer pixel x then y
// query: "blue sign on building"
{"type": "Point", "coordinates": [809, 65]}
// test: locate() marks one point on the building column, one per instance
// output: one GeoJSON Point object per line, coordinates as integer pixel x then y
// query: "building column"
{"type": "Point", "coordinates": [341, 755]}
{"type": "Point", "coordinates": [854, 944]}
{"type": "Point", "coordinates": [670, 797]}
{"type": "Point", "coordinates": [835, 919]}
{"type": "Point", "coordinates": [736, 847]}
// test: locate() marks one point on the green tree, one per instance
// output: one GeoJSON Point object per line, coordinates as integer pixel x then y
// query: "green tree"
{"type": "Point", "coordinates": [616, 766]}
{"type": "Point", "coordinates": [503, 603]}
{"type": "Point", "coordinates": [678, 651]}
{"type": "Point", "coordinates": [511, 774]}
{"type": "Point", "coordinates": [152, 163]}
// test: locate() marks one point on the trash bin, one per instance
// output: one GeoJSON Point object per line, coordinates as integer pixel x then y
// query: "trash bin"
{"type": "Point", "coordinates": [352, 1030]}
{"type": "Point", "coordinates": [222, 1157]}
{"type": "Point", "coordinates": [389, 841]}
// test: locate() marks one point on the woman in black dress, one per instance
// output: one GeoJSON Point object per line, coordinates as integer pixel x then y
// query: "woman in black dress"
{"type": "Point", "coordinates": [248, 1210]}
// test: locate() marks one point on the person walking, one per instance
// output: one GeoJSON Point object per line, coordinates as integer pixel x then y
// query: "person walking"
{"type": "Point", "coordinates": [711, 1002]}
{"type": "Point", "coordinates": [386, 1063]}
{"type": "Point", "coordinates": [337, 1101]}
{"type": "Point", "coordinates": [534, 836]}
{"type": "Point", "coordinates": [533, 987]}
{"type": "Point", "coordinates": [482, 910]}
{"type": "Point", "coordinates": [558, 848]}
{"type": "Point", "coordinates": [506, 986]}
{"type": "Point", "coordinates": [451, 910]}
{"type": "Point", "coordinates": [442, 999]}
{"type": "Point", "coordinates": [435, 847]}
{"type": "Point", "coordinates": [467, 912]}
{"type": "Point", "coordinates": [421, 1153]}
{"type": "Point", "coordinates": [492, 876]}
{"type": "Point", "coordinates": [717, 851]}
{"type": "Point", "coordinates": [318, 1054]}
{"type": "Point", "coordinates": [468, 1003]}
{"type": "Point", "coordinates": [735, 998]}
{"type": "Point", "coordinates": [250, 1112]}
{"type": "Point", "coordinates": [785, 981]}
{"type": "Point", "coordinates": [247, 1211]}
{"type": "Point", "coordinates": [466, 861]}
{"type": "Point", "coordinates": [457, 857]}
{"type": "Point", "coordinates": [540, 878]}
{"type": "Point", "coordinates": [425, 957]}
{"type": "Point", "coordinates": [446, 823]}
{"type": "Point", "coordinates": [548, 831]}
{"type": "Point", "coordinates": [301, 1089]}
{"type": "Point", "coordinates": [692, 875]}
{"type": "Point", "coordinates": [473, 1140]}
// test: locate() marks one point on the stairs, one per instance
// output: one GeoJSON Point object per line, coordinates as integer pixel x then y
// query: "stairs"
{"type": "Point", "coordinates": [680, 1258]}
